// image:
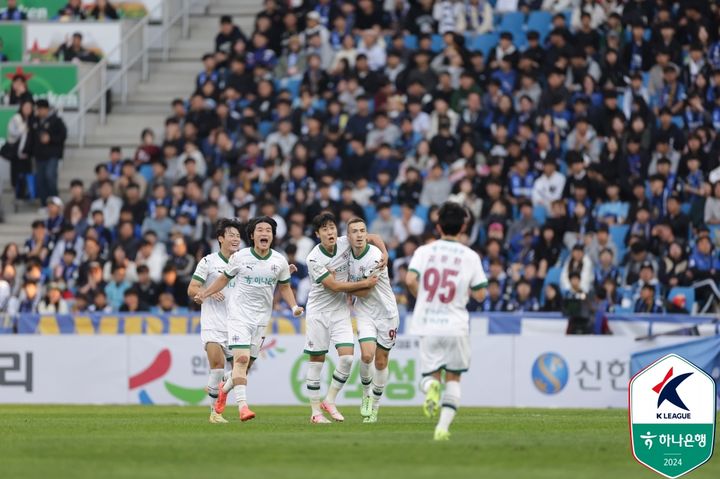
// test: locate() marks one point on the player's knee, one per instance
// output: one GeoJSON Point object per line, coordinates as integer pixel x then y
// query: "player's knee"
{"type": "Point", "coordinates": [242, 360]}
{"type": "Point", "coordinates": [366, 358]}
{"type": "Point", "coordinates": [380, 362]}
{"type": "Point", "coordinates": [345, 362]}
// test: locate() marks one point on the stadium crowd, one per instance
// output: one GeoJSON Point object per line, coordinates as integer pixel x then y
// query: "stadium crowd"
{"type": "Point", "coordinates": [580, 135]}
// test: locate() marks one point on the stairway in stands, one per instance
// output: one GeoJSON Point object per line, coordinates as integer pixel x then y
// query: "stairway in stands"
{"type": "Point", "coordinates": [147, 106]}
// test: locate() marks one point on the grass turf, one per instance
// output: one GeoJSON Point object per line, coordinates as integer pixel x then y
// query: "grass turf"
{"type": "Point", "coordinates": [172, 442]}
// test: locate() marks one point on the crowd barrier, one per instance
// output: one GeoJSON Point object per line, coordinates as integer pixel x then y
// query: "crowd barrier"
{"type": "Point", "coordinates": [506, 370]}
{"type": "Point", "coordinates": [481, 323]}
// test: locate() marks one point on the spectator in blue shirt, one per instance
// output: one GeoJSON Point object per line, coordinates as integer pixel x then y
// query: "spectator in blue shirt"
{"type": "Point", "coordinates": [647, 303]}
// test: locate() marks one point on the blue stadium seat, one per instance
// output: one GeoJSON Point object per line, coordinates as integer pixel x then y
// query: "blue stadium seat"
{"type": "Point", "coordinates": [512, 22]}
{"type": "Point", "coordinates": [396, 211]}
{"type": "Point", "coordinates": [290, 84]}
{"type": "Point", "coordinates": [618, 233]}
{"type": "Point", "coordinates": [678, 121]}
{"type": "Point", "coordinates": [540, 21]}
{"type": "Point", "coordinates": [411, 42]}
{"type": "Point", "coordinates": [540, 214]}
{"type": "Point", "coordinates": [685, 208]}
{"type": "Point", "coordinates": [484, 43]}
{"type": "Point", "coordinates": [553, 275]}
{"type": "Point", "coordinates": [265, 128]}
{"type": "Point", "coordinates": [689, 294]}
{"type": "Point", "coordinates": [370, 214]}
{"type": "Point", "coordinates": [421, 211]}
{"type": "Point", "coordinates": [437, 43]}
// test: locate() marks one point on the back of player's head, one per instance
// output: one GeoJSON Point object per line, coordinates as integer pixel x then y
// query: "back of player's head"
{"type": "Point", "coordinates": [223, 225]}
{"type": "Point", "coordinates": [256, 221]}
{"type": "Point", "coordinates": [451, 218]}
{"type": "Point", "coordinates": [323, 219]}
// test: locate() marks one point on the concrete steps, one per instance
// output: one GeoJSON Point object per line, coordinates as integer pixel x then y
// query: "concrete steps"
{"type": "Point", "coordinates": [148, 105]}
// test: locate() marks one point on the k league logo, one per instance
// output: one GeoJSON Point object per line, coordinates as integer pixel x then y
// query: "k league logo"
{"type": "Point", "coordinates": [672, 416]}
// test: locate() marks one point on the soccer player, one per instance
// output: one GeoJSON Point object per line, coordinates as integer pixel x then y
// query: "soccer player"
{"type": "Point", "coordinates": [256, 270]}
{"type": "Point", "coordinates": [440, 276]}
{"type": "Point", "coordinates": [328, 314]}
{"type": "Point", "coordinates": [377, 317]}
{"type": "Point", "coordinates": [213, 313]}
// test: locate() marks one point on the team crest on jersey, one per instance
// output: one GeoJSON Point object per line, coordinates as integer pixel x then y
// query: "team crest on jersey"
{"type": "Point", "coordinates": [236, 338]}
{"type": "Point", "coordinates": [362, 271]}
{"type": "Point", "coordinates": [274, 268]}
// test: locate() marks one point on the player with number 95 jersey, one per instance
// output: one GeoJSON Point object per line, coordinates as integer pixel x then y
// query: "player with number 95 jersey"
{"type": "Point", "coordinates": [441, 276]}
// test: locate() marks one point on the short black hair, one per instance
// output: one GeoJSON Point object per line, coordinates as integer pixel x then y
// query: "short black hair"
{"type": "Point", "coordinates": [323, 219]}
{"type": "Point", "coordinates": [250, 229]}
{"type": "Point", "coordinates": [223, 225]}
{"type": "Point", "coordinates": [452, 217]}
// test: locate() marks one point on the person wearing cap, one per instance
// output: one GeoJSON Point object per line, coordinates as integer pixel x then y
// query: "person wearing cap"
{"type": "Point", "coordinates": [47, 144]}
{"type": "Point", "coordinates": [54, 220]}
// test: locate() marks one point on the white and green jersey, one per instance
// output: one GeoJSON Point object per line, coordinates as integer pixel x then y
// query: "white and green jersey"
{"type": "Point", "coordinates": [320, 262]}
{"type": "Point", "coordinates": [380, 303]}
{"type": "Point", "coordinates": [255, 278]}
{"type": "Point", "coordinates": [213, 314]}
{"type": "Point", "coordinates": [447, 271]}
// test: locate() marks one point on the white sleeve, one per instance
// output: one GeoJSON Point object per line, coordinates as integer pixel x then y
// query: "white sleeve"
{"type": "Point", "coordinates": [478, 279]}
{"type": "Point", "coordinates": [201, 271]}
{"type": "Point", "coordinates": [417, 262]}
{"type": "Point", "coordinates": [284, 274]}
{"type": "Point", "coordinates": [233, 267]}
{"type": "Point", "coordinates": [318, 272]}
{"type": "Point", "coordinates": [343, 244]}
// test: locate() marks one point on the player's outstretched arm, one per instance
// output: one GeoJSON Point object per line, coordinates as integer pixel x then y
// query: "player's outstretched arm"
{"type": "Point", "coordinates": [286, 293]}
{"type": "Point", "coordinates": [376, 240]}
{"type": "Point", "coordinates": [343, 287]}
{"type": "Point", "coordinates": [215, 287]}
{"type": "Point", "coordinates": [478, 293]}
{"type": "Point", "coordinates": [411, 281]}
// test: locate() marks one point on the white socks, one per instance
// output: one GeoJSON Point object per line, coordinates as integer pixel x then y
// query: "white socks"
{"type": "Point", "coordinates": [450, 404]}
{"type": "Point", "coordinates": [228, 383]}
{"type": "Point", "coordinates": [366, 377]}
{"type": "Point", "coordinates": [241, 395]}
{"type": "Point", "coordinates": [425, 383]}
{"type": "Point", "coordinates": [214, 379]}
{"type": "Point", "coordinates": [312, 383]}
{"type": "Point", "coordinates": [342, 371]}
{"type": "Point", "coordinates": [378, 385]}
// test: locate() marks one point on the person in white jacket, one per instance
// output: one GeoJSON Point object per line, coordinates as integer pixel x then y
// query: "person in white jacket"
{"type": "Point", "coordinates": [549, 186]}
{"type": "Point", "coordinates": [476, 17]}
{"type": "Point", "coordinates": [577, 262]}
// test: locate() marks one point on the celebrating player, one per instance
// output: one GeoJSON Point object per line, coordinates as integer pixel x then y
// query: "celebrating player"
{"type": "Point", "coordinates": [440, 276]}
{"type": "Point", "coordinates": [256, 271]}
{"type": "Point", "coordinates": [328, 316]}
{"type": "Point", "coordinates": [377, 317]}
{"type": "Point", "coordinates": [213, 313]}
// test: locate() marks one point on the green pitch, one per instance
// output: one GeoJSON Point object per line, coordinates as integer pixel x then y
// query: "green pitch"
{"type": "Point", "coordinates": [177, 442]}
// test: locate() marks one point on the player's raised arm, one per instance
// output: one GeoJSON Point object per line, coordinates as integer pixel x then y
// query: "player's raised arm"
{"type": "Point", "coordinates": [376, 240]}
{"type": "Point", "coordinates": [332, 284]}
{"type": "Point", "coordinates": [411, 281]}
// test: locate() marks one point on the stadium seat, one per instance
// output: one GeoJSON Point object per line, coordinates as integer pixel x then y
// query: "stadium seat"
{"type": "Point", "coordinates": [618, 233]}
{"type": "Point", "coordinates": [265, 128]}
{"type": "Point", "coordinates": [689, 294]}
{"type": "Point", "coordinates": [290, 84]}
{"type": "Point", "coordinates": [437, 43]}
{"type": "Point", "coordinates": [678, 121]}
{"type": "Point", "coordinates": [553, 275]}
{"type": "Point", "coordinates": [484, 43]}
{"type": "Point", "coordinates": [396, 210]}
{"type": "Point", "coordinates": [540, 21]}
{"type": "Point", "coordinates": [421, 211]}
{"type": "Point", "coordinates": [512, 22]}
{"type": "Point", "coordinates": [370, 214]}
{"type": "Point", "coordinates": [411, 42]}
{"type": "Point", "coordinates": [540, 214]}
